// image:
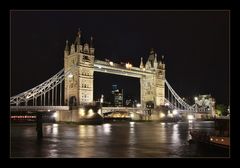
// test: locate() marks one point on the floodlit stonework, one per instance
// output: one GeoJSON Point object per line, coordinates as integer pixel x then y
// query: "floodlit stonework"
{"type": "Point", "coordinates": [152, 85]}
{"type": "Point", "coordinates": [79, 84]}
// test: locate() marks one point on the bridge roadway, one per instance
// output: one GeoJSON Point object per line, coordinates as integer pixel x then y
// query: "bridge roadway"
{"type": "Point", "coordinates": [104, 109]}
{"type": "Point", "coordinates": [106, 67]}
{"type": "Point", "coordinates": [66, 108]}
{"type": "Point", "coordinates": [120, 109]}
{"type": "Point", "coordinates": [39, 108]}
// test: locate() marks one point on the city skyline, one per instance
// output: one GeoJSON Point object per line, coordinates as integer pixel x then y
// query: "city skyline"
{"type": "Point", "coordinates": [195, 46]}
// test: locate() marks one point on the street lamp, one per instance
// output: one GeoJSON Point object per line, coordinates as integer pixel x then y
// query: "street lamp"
{"type": "Point", "coordinates": [196, 99]}
{"type": "Point", "coordinates": [128, 65]}
{"type": "Point", "coordinates": [175, 112]}
{"type": "Point", "coordinates": [101, 100]}
{"type": "Point", "coordinates": [167, 104]}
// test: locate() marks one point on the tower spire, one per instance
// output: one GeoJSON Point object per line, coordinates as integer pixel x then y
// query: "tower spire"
{"type": "Point", "coordinates": [141, 64]}
{"type": "Point", "coordinates": [163, 64]}
{"type": "Point", "coordinates": [66, 46]}
{"type": "Point", "coordinates": [91, 46]}
{"type": "Point", "coordinates": [155, 63]}
{"type": "Point", "coordinates": [78, 37]}
{"type": "Point", "coordinates": [151, 51]}
{"type": "Point", "coordinates": [79, 32]}
{"type": "Point", "coordinates": [151, 58]}
{"type": "Point", "coordinates": [91, 42]}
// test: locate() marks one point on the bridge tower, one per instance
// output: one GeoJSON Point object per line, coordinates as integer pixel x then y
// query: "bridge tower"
{"type": "Point", "coordinates": [153, 86]}
{"type": "Point", "coordinates": [79, 84]}
{"type": "Point", "coordinates": [160, 83]}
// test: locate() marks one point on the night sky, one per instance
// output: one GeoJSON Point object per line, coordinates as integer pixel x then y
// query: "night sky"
{"type": "Point", "coordinates": [195, 45]}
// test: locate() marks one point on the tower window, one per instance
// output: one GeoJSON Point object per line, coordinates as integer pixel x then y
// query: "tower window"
{"type": "Point", "coordinates": [86, 58]}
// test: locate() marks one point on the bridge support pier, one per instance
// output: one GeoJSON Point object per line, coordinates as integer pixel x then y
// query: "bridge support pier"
{"type": "Point", "coordinates": [80, 114]}
{"type": "Point", "coordinates": [39, 125]}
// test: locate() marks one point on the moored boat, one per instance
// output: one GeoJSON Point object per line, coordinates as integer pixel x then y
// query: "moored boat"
{"type": "Point", "coordinates": [219, 138]}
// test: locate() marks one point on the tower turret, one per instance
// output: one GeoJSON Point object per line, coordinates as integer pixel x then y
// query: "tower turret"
{"type": "Point", "coordinates": [148, 65]}
{"type": "Point", "coordinates": [72, 49]}
{"type": "Point", "coordinates": [160, 64]}
{"type": "Point", "coordinates": [86, 48]}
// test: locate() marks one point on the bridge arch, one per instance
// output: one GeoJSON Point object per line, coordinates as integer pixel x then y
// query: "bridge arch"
{"type": "Point", "coordinates": [73, 101]}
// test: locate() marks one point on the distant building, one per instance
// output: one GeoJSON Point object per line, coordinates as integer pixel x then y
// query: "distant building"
{"type": "Point", "coordinates": [131, 102]}
{"type": "Point", "coordinates": [207, 102]}
{"type": "Point", "coordinates": [117, 96]}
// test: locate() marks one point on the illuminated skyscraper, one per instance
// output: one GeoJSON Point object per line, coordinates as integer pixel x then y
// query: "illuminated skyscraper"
{"type": "Point", "coordinates": [117, 96]}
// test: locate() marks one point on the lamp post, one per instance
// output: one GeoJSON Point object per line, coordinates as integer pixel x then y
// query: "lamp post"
{"type": "Point", "coordinates": [196, 99]}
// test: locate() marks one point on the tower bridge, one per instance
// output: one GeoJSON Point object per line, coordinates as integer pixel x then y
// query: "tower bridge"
{"type": "Point", "coordinates": [73, 85]}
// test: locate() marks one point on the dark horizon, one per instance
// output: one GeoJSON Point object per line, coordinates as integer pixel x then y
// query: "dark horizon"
{"type": "Point", "coordinates": [195, 45]}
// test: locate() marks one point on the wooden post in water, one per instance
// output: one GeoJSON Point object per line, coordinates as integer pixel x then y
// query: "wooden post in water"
{"type": "Point", "coordinates": [39, 125]}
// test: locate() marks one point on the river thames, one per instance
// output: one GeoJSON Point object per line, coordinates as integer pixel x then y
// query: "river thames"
{"type": "Point", "coordinates": [111, 140]}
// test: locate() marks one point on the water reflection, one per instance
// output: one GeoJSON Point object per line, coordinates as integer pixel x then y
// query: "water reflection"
{"type": "Point", "coordinates": [107, 128]}
{"type": "Point", "coordinates": [132, 139]}
{"type": "Point", "coordinates": [126, 139]}
{"type": "Point", "coordinates": [55, 129]}
{"type": "Point", "coordinates": [175, 134]}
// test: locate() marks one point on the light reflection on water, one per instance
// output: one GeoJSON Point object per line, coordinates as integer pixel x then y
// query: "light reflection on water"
{"type": "Point", "coordinates": [123, 139]}
{"type": "Point", "coordinates": [106, 128]}
{"type": "Point", "coordinates": [132, 141]}
{"type": "Point", "coordinates": [175, 134]}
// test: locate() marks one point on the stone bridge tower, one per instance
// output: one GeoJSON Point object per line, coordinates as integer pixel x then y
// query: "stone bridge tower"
{"type": "Point", "coordinates": [152, 85]}
{"type": "Point", "coordinates": [79, 84]}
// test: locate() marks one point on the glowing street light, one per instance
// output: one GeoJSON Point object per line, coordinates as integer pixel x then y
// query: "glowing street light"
{"type": "Point", "coordinates": [55, 115]}
{"type": "Point", "coordinates": [138, 105]}
{"type": "Point", "coordinates": [128, 65]}
{"type": "Point", "coordinates": [90, 113]}
{"type": "Point", "coordinates": [70, 75]}
{"type": "Point", "coordinates": [167, 104]}
{"type": "Point", "coordinates": [190, 117]}
{"type": "Point", "coordinates": [175, 112]}
{"type": "Point", "coordinates": [81, 112]}
{"type": "Point", "coordinates": [101, 100]}
{"type": "Point", "coordinates": [162, 115]}
{"type": "Point", "coordinates": [111, 63]}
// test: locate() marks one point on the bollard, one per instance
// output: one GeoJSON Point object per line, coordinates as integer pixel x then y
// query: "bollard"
{"type": "Point", "coordinates": [39, 125]}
